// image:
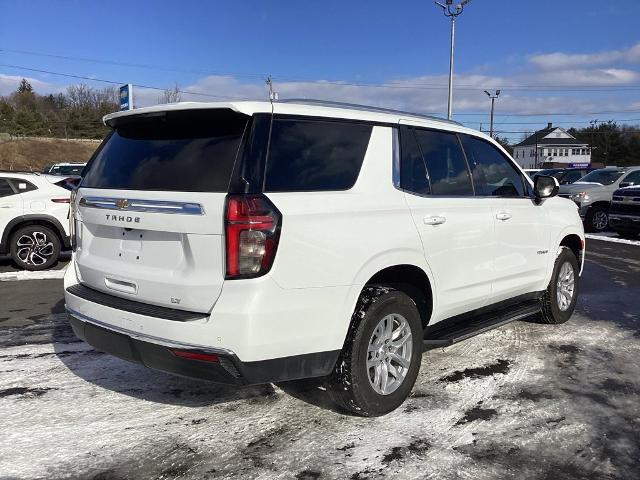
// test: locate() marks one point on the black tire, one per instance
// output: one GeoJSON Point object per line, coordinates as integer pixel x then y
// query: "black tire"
{"type": "Point", "coordinates": [349, 384]}
{"type": "Point", "coordinates": [551, 310]}
{"type": "Point", "coordinates": [35, 247]}
{"type": "Point", "coordinates": [593, 219]}
{"type": "Point", "coordinates": [628, 234]}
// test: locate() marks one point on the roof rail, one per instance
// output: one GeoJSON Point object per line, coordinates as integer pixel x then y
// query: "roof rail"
{"type": "Point", "coordinates": [368, 108]}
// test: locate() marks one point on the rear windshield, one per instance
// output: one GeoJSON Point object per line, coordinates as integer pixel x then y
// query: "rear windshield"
{"type": "Point", "coordinates": [313, 155]}
{"type": "Point", "coordinates": [183, 151]}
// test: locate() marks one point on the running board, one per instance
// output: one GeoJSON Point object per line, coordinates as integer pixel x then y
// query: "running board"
{"type": "Point", "coordinates": [454, 333]}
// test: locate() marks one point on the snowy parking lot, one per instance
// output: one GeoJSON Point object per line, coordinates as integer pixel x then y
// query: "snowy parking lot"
{"type": "Point", "coordinates": [523, 401]}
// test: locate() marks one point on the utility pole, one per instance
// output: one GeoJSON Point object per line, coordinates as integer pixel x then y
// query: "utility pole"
{"type": "Point", "coordinates": [593, 124]}
{"type": "Point", "coordinates": [493, 101]}
{"type": "Point", "coordinates": [452, 12]}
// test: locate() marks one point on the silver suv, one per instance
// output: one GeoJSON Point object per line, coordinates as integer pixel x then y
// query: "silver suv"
{"type": "Point", "coordinates": [593, 192]}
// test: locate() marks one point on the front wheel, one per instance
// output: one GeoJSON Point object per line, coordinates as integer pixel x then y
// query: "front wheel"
{"type": "Point", "coordinates": [597, 219]}
{"type": "Point", "coordinates": [559, 299]}
{"type": "Point", "coordinates": [381, 356]}
{"type": "Point", "coordinates": [35, 247]}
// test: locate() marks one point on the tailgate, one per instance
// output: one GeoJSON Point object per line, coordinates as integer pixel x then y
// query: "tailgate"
{"type": "Point", "coordinates": [149, 211]}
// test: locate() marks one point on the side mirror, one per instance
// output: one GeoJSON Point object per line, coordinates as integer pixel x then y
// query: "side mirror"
{"type": "Point", "coordinates": [545, 187]}
{"type": "Point", "coordinates": [626, 184]}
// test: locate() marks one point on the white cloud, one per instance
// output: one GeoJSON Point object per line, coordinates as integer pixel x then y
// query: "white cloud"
{"type": "Point", "coordinates": [567, 60]}
{"type": "Point", "coordinates": [9, 84]}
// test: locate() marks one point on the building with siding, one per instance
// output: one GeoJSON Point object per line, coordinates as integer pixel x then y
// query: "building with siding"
{"type": "Point", "coordinates": [552, 147]}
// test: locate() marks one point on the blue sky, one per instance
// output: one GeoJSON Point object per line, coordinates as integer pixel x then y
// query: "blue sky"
{"type": "Point", "coordinates": [226, 49]}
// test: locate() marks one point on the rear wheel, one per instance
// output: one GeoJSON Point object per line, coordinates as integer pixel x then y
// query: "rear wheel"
{"type": "Point", "coordinates": [382, 353]}
{"type": "Point", "coordinates": [559, 300]}
{"type": "Point", "coordinates": [35, 247]}
{"type": "Point", "coordinates": [597, 219]}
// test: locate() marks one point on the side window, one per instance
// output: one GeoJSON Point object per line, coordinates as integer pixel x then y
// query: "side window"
{"type": "Point", "coordinates": [21, 186]}
{"type": "Point", "coordinates": [315, 155]}
{"type": "Point", "coordinates": [446, 166]}
{"type": "Point", "coordinates": [5, 189]}
{"type": "Point", "coordinates": [633, 177]}
{"type": "Point", "coordinates": [413, 173]}
{"type": "Point", "coordinates": [493, 174]}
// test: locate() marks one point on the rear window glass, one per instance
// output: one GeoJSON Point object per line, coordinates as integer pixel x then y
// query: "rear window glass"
{"type": "Point", "coordinates": [315, 155]}
{"type": "Point", "coordinates": [189, 151]}
{"type": "Point", "coordinates": [67, 170]}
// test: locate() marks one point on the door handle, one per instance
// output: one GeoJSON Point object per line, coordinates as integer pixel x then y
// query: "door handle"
{"type": "Point", "coordinates": [503, 216]}
{"type": "Point", "coordinates": [6, 206]}
{"type": "Point", "coordinates": [434, 220]}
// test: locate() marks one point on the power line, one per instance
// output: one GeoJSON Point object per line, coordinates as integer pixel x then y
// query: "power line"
{"type": "Point", "coordinates": [564, 122]}
{"type": "Point", "coordinates": [224, 97]}
{"type": "Point", "coordinates": [114, 82]}
{"type": "Point", "coordinates": [398, 84]}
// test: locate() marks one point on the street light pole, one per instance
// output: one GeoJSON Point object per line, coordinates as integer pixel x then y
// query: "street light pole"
{"type": "Point", "coordinates": [452, 12]}
{"type": "Point", "coordinates": [493, 100]}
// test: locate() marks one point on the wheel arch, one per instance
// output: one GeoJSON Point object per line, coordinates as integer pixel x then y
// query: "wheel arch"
{"type": "Point", "coordinates": [573, 238]}
{"type": "Point", "coordinates": [411, 280]}
{"type": "Point", "coordinates": [27, 220]}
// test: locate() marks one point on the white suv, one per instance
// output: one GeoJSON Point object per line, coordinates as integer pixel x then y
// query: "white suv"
{"type": "Point", "coordinates": [34, 218]}
{"type": "Point", "coordinates": [249, 243]}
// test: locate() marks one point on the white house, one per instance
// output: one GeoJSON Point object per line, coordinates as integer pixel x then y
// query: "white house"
{"type": "Point", "coordinates": [552, 147]}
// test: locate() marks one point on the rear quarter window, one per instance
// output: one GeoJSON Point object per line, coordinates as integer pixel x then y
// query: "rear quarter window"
{"type": "Point", "coordinates": [313, 155]}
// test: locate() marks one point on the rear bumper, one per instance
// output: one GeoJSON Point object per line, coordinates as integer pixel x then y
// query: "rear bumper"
{"type": "Point", "coordinates": [157, 354]}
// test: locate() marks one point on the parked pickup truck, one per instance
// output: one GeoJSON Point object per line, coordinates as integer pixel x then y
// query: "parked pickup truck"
{"type": "Point", "coordinates": [624, 214]}
{"type": "Point", "coordinates": [593, 192]}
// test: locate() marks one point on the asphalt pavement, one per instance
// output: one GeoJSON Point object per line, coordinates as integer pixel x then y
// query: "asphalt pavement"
{"type": "Point", "coordinates": [523, 401]}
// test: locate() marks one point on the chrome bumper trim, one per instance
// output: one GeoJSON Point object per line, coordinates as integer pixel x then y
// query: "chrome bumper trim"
{"type": "Point", "coordinates": [147, 338]}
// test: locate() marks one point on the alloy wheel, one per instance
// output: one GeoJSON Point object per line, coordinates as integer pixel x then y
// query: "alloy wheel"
{"type": "Point", "coordinates": [600, 220]}
{"type": "Point", "coordinates": [34, 248]}
{"type": "Point", "coordinates": [389, 354]}
{"type": "Point", "coordinates": [565, 286]}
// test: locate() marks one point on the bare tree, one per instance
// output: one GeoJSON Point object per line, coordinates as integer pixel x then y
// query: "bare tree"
{"type": "Point", "coordinates": [171, 95]}
{"type": "Point", "coordinates": [81, 95]}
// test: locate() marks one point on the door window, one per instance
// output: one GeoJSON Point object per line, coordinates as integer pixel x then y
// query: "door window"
{"type": "Point", "coordinates": [446, 166]}
{"type": "Point", "coordinates": [493, 174]}
{"type": "Point", "coordinates": [5, 188]}
{"type": "Point", "coordinates": [413, 172]}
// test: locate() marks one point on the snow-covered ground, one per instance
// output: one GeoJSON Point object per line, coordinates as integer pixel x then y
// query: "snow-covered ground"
{"type": "Point", "coordinates": [524, 401]}
{"type": "Point", "coordinates": [516, 402]}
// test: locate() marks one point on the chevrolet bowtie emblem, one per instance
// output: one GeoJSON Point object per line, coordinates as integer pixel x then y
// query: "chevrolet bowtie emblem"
{"type": "Point", "coordinates": [122, 203]}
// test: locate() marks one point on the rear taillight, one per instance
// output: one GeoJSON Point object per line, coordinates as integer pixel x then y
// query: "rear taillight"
{"type": "Point", "coordinates": [73, 226]}
{"type": "Point", "coordinates": [252, 230]}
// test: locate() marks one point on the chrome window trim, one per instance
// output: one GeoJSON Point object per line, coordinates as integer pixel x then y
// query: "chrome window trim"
{"type": "Point", "coordinates": [141, 205]}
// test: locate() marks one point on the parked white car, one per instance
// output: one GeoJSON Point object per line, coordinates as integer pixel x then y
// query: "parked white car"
{"type": "Point", "coordinates": [34, 218]}
{"type": "Point", "coordinates": [248, 243]}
